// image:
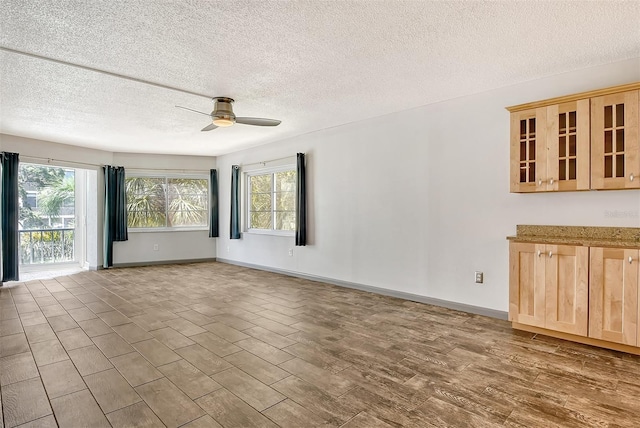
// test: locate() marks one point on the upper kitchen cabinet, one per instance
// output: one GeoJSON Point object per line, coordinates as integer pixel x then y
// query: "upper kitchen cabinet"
{"type": "Point", "coordinates": [529, 150]}
{"type": "Point", "coordinates": [576, 142]}
{"type": "Point", "coordinates": [550, 148]}
{"type": "Point", "coordinates": [615, 161]}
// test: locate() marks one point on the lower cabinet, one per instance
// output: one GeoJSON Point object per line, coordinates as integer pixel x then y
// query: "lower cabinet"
{"type": "Point", "coordinates": [613, 311]}
{"type": "Point", "coordinates": [590, 292]}
{"type": "Point", "coordinates": [549, 286]}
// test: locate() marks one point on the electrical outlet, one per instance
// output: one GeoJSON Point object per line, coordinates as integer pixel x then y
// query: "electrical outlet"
{"type": "Point", "coordinates": [228, 249]}
{"type": "Point", "coordinates": [479, 277]}
{"type": "Point", "coordinates": [155, 247]}
{"type": "Point", "coordinates": [291, 251]}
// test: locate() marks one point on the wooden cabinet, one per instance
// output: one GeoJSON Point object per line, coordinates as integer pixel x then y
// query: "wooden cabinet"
{"type": "Point", "coordinates": [528, 150]}
{"type": "Point", "coordinates": [568, 146]}
{"type": "Point", "coordinates": [550, 148]}
{"type": "Point", "coordinates": [527, 284]}
{"type": "Point", "coordinates": [548, 286]}
{"type": "Point", "coordinates": [613, 309]}
{"type": "Point", "coordinates": [615, 149]}
{"type": "Point", "coordinates": [577, 142]}
{"type": "Point", "coordinates": [567, 289]}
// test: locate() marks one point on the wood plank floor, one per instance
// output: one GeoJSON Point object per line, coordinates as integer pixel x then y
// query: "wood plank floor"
{"type": "Point", "coordinates": [211, 344]}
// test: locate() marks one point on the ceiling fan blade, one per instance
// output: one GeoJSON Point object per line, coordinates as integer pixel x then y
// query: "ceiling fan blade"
{"type": "Point", "coordinates": [195, 111]}
{"type": "Point", "coordinates": [209, 127]}
{"type": "Point", "coordinates": [257, 121]}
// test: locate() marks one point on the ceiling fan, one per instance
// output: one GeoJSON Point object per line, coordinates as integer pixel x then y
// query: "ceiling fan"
{"type": "Point", "coordinates": [223, 116]}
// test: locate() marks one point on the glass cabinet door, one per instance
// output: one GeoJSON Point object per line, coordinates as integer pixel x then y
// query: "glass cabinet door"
{"type": "Point", "coordinates": [615, 161]}
{"type": "Point", "coordinates": [528, 151]}
{"type": "Point", "coordinates": [568, 146]}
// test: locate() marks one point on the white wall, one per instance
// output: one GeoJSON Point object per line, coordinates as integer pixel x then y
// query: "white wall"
{"type": "Point", "coordinates": [417, 201]}
{"type": "Point", "coordinates": [172, 246]}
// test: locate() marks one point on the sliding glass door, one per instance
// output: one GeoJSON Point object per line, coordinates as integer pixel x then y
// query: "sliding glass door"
{"type": "Point", "coordinates": [47, 217]}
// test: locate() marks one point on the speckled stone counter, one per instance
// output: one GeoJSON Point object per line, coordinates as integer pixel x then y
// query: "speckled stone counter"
{"type": "Point", "coordinates": [592, 236]}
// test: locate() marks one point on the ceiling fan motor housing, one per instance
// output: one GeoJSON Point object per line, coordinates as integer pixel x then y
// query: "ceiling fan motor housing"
{"type": "Point", "coordinates": [223, 112]}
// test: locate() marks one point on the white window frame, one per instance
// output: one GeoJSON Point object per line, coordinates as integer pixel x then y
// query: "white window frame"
{"type": "Point", "coordinates": [247, 200]}
{"type": "Point", "coordinates": [79, 228]}
{"type": "Point", "coordinates": [163, 174]}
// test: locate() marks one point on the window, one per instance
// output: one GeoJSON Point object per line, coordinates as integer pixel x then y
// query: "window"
{"type": "Point", "coordinates": [272, 200]}
{"type": "Point", "coordinates": [46, 214]}
{"type": "Point", "coordinates": [167, 202]}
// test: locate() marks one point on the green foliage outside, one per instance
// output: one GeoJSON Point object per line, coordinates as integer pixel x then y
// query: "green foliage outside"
{"type": "Point", "coordinates": [166, 202]}
{"type": "Point", "coordinates": [267, 189]}
{"type": "Point", "coordinates": [53, 193]}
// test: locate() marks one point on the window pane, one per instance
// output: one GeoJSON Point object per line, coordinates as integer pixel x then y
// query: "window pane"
{"type": "Point", "coordinates": [285, 220]}
{"type": "Point", "coordinates": [187, 202]}
{"type": "Point", "coordinates": [620, 166]}
{"type": "Point", "coordinates": [285, 181]}
{"type": "Point", "coordinates": [260, 220]}
{"type": "Point", "coordinates": [260, 202]}
{"type": "Point", "coordinates": [260, 183]}
{"type": "Point", "coordinates": [46, 197]}
{"type": "Point", "coordinates": [272, 197]}
{"type": "Point", "coordinates": [608, 116]}
{"type": "Point", "coordinates": [146, 202]}
{"type": "Point", "coordinates": [619, 114]}
{"type": "Point", "coordinates": [285, 201]}
{"type": "Point", "coordinates": [563, 123]}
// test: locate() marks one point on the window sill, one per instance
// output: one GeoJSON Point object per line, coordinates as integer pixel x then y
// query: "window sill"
{"type": "Point", "coordinates": [283, 233]}
{"type": "Point", "coordinates": [169, 229]}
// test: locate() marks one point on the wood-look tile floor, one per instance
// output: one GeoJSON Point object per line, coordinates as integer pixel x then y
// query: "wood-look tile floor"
{"type": "Point", "coordinates": [211, 345]}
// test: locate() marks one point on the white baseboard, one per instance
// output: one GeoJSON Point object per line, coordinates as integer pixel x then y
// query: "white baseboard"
{"type": "Point", "coordinates": [164, 262]}
{"type": "Point", "coordinates": [478, 310]}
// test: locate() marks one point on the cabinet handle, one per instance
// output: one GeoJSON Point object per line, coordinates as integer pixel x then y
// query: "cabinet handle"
{"type": "Point", "coordinates": [539, 252]}
{"type": "Point", "coordinates": [630, 260]}
{"type": "Point", "coordinates": [550, 254]}
{"type": "Point", "coordinates": [631, 177]}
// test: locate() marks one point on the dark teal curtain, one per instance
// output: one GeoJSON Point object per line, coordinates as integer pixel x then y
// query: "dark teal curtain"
{"type": "Point", "coordinates": [235, 202]}
{"type": "Point", "coordinates": [301, 201]}
{"type": "Point", "coordinates": [115, 211]}
{"type": "Point", "coordinates": [213, 204]}
{"type": "Point", "coordinates": [9, 213]}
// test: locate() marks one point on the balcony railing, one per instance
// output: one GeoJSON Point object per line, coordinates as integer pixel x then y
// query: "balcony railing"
{"type": "Point", "coordinates": [39, 246]}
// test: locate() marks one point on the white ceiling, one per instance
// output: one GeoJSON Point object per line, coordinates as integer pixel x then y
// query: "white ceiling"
{"type": "Point", "coordinates": [312, 64]}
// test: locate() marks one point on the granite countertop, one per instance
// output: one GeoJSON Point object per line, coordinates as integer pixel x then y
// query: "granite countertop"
{"type": "Point", "coordinates": [592, 236]}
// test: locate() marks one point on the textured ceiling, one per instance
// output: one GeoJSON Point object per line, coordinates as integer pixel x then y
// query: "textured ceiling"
{"type": "Point", "coordinates": [312, 64]}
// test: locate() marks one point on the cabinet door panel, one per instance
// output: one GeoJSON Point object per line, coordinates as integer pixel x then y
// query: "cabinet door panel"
{"type": "Point", "coordinates": [527, 284]}
{"type": "Point", "coordinates": [528, 151]}
{"type": "Point", "coordinates": [568, 136]}
{"type": "Point", "coordinates": [567, 289]}
{"type": "Point", "coordinates": [615, 161]}
{"type": "Point", "coordinates": [613, 295]}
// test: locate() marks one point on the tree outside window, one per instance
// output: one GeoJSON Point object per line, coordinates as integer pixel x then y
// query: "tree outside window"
{"type": "Point", "coordinates": [272, 200]}
{"type": "Point", "coordinates": [167, 202]}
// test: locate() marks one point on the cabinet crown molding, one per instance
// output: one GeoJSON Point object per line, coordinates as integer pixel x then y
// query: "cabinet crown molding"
{"type": "Point", "coordinates": [576, 97]}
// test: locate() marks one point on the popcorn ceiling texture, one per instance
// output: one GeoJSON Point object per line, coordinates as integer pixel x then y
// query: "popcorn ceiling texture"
{"type": "Point", "coordinates": [312, 64]}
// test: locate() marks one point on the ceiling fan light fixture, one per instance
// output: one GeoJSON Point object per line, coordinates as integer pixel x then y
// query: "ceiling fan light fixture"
{"type": "Point", "coordinates": [224, 121]}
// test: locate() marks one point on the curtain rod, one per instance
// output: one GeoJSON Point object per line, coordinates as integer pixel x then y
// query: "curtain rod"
{"type": "Point", "coordinates": [49, 160]}
{"type": "Point", "coordinates": [167, 169]}
{"type": "Point", "coordinates": [264, 163]}
{"type": "Point", "coordinates": [108, 73]}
